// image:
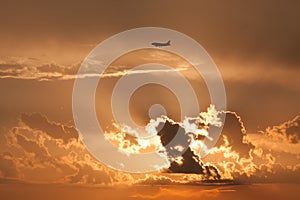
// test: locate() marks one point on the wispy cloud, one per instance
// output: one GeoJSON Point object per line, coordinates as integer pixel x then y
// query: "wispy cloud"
{"type": "Point", "coordinates": [184, 193]}
{"type": "Point", "coordinates": [28, 69]}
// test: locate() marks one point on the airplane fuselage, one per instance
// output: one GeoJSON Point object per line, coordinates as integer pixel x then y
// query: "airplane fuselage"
{"type": "Point", "coordinates": [159, 44]}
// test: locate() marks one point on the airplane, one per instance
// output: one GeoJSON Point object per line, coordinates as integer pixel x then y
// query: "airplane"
{"type": "Point", "coordinates": [159, 44]}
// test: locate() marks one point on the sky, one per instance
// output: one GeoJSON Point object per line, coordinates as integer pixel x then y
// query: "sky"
{"type": "Point", "coordinates": [254, 44]}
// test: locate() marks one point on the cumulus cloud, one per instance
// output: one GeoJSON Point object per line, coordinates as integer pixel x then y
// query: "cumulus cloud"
{"type": "Point", "coordinates": [55, 130]}
{"type": "Point", "coordinates": [41, 150]}
{"type": "Point", "coordinates": [181, 143]}
{"type": "Point", "coordinates": [248, 157]}
{"type": "Point", "coordinates": [190, 160]}
{"type": "Point", "coordinates": [237, 155]}
{"type": "Point", "coordinates": [7, 166]}
{"type": "Point", "coordinates": [288, 131]}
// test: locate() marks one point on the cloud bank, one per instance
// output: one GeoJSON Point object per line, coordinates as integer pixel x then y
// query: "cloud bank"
{"type": "Point", "coordinates": [41, 150]}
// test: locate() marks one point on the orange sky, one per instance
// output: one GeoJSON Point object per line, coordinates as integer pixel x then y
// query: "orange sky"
{"type": "Point", "coordinates": [255, 45]}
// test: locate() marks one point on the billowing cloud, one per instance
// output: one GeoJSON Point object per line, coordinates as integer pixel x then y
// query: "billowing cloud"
{"type": "Point", "coordinates": [248, 157]}
{"type": "Point", "coordinates": [187, 142]}
{"type": "Point", "coordinates": [7, 166]}
{"type": "Point", "coordinates": [237, 156]}
{"type": "Point", "coordinates": [288, 131]}
{"type": "Point", "coordinates": [55, 130]}
{"type": "Point", "coordinates": [41, 150]}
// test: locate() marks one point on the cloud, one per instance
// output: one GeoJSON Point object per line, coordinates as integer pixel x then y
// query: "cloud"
{"type": "Point", "coordinates": [262, 72]}
{"type": "Point", "coordinates": [40, 150]}
{"type": "Point", "coordinates": [161, 179]}
{"type": "Point", "coordinates": [281, 138]}
{"type": "Point", "coordinates": [249, 157]}
{"type": "Point", "coordinates": [288, 131]}
{"type": "Point", "coordinates": [237, 155]}
{"type": "Point", "coordinates": [191, 162]}
{"type": "Point", "coordinates": [7, 166]}
{"type": "Point", "coordinates": [180, 143]}
{"type": "Point", "coordinates": [233, 71]}
{"type": "Point", "coordinates": [35, 69]}
{"type": "Point", "coordinates": [184, 193]}
{"type": "Point", "coordinates": [55, 130]}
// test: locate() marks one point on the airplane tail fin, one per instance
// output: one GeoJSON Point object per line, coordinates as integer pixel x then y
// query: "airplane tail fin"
{"type": "Point", "coordinates": [169, 42]}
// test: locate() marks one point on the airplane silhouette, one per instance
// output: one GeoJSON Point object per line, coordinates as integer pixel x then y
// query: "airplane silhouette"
{"type": "Point", "coordinates": [159, 44]}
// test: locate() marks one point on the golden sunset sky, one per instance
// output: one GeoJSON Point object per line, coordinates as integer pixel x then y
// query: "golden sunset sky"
{"type": "Point", "coordinates": [255, 45]}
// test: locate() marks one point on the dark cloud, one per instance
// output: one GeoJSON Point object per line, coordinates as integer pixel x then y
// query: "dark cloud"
{"type": "Point", "coordinates": [37, 121]}
{"type": "Point", "coordinates": [32, 147]}
{"type": "Point", "coordinates": [88, 175]}
{"type": "Point", "coordinates": [191, 162]}
{"type": "Point", "coordinates": [292, 130]}
{"type": "Point", "coordinates": [233, 131]}
{"type": "Point", "coordinates": [293, 134]}
{"type": "Point", "coordinates": [7, 66]}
